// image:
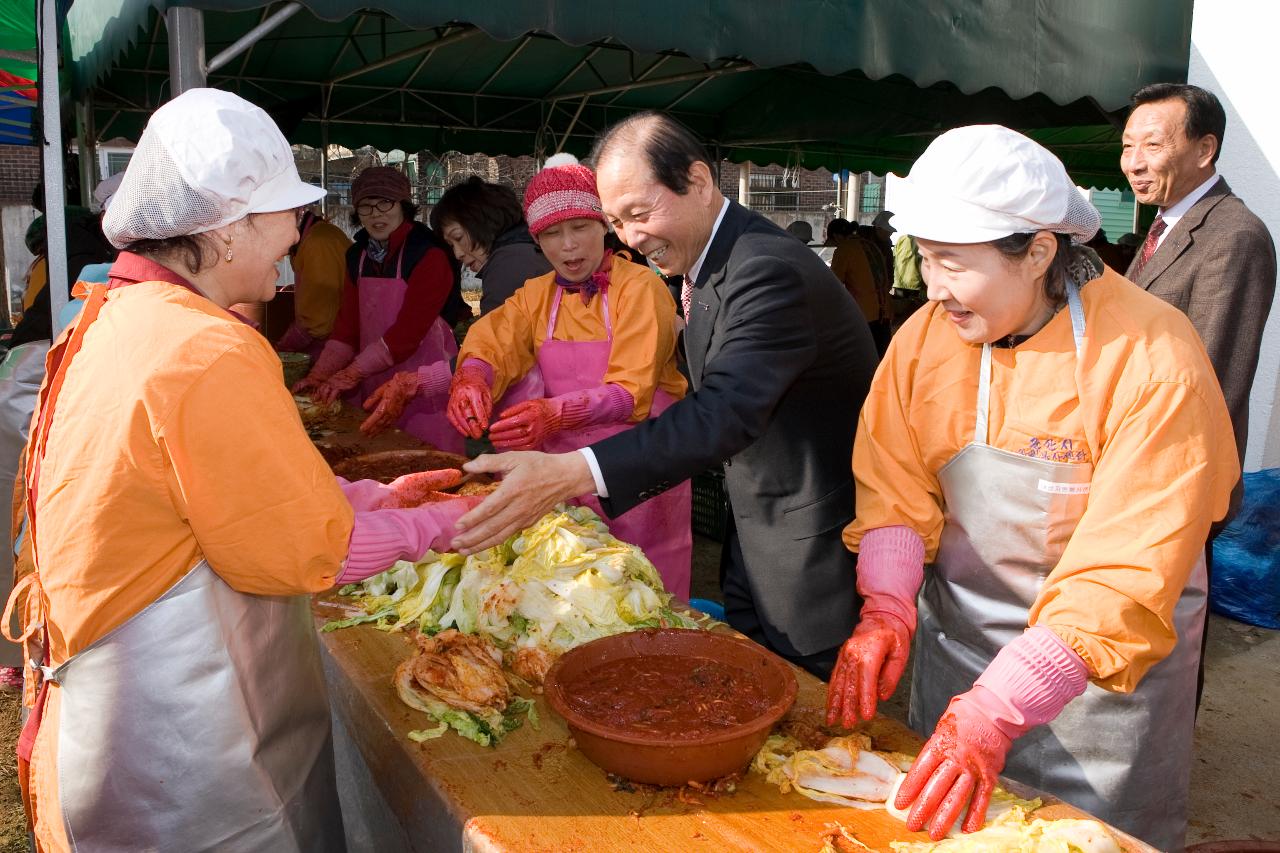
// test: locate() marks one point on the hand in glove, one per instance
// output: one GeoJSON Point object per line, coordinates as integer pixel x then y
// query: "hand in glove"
{"type": "Point", "coordinates": [470, 398]}
{"type": "Point", "coordinates": [890, 571]}
{"type": "Point", "coordinates": [333, 357]}
{"type": "Point", "coordinates": [869, 666]}
{"type": "Point", "coordinates": [337, 384]}
{"type": "Point", "coordinates": [371, 359]}
{"type": "Point", "coordinates": [402, 492]}
{"type": "Point", "coordinates": [380, 539]}
{"type": "Point", "coordinates": [962, 759]}
{"type": "Point", "coordinates": [525, 426]}
{"type": "Point", "coordinates": [387, 403]}
{"type": "Point", "coordinates": [1027, 684]}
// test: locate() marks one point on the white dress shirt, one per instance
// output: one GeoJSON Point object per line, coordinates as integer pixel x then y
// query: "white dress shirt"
{"type": "Point", "coordinates": [1179, 210]}
{"type": "Point", "coordinates": [691, 276]}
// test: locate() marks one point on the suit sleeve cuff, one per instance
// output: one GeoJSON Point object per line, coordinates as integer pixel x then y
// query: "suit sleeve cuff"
{"type": "Point", "coordinates": [601, 490]}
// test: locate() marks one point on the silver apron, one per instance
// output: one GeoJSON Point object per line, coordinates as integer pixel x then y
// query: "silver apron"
{"type": "Point", "coordinates": [202, 723]}
{"type": "Point", "coordinates": [1123, 757]}
{"type": "Point", "coordinates": [20, 376]}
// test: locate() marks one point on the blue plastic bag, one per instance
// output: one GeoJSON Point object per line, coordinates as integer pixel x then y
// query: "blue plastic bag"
{"type": "Point", "coordinates": [1246, 556]}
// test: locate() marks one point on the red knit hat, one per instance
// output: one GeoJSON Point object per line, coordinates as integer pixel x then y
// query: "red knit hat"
{"type": "Point", "coordinates": [564, 189]}
{"type": "Point", "coordinates": [381, 182]}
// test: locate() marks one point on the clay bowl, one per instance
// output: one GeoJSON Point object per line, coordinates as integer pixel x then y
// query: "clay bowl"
{"type": "Point", "coordinates": [651, 758]}
{"type": "Point", "coordinates": [389, 464]}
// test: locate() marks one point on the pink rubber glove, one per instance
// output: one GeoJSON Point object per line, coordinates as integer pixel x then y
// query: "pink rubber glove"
{"type": "Point", "coordinates": [294, 340]}
{"type": "Point", "coordinates": [379, 539]}
{"type": "Point", "coordinates": [962, 760]}
{"type": "Point", "coordinates": [403, 492]}
{"type": "Point", "coordinates": [525, 426]}
{"type": "Point", "coordinates": [1026, 685]}
{"type": "Point", "coordinates": [871, 662]}
{"type": "Point", "coordinates": [372, 359]}
{"type": "Point", "coordinates": [332, 358]}
{"type": "Point", "coordinates": [471, 398]}
{"type": "Point", "coordinates": [363, 495]}
{"type": "Point", "coordinates": [388, 401]}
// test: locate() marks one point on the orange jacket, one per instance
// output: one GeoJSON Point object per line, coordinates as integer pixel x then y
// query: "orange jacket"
{"type": "Point", "coordinates": [641, 311]}
{"type": "Point", "coordinates": [1141, 404]}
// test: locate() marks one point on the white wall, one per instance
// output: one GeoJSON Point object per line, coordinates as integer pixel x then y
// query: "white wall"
{"type": "Point", "coordinates": [1232, 45]}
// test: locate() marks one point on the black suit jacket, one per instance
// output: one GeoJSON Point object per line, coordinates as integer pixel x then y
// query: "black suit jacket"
{"type": "Point", "coordinates": [1218, 266]}
{"type": "Point", "coordinates": [780, 359]}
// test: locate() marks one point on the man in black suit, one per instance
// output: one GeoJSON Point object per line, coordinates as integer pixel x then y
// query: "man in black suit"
{"type": "Point", "coordinates": [780, 359]}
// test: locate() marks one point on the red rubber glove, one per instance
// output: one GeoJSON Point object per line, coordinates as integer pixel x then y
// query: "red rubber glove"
{"type": "Point", "coordinates": [334, 356]}
{"type": "Point", "coordinates": [869, 666]}
{"type": "Point", "coordinates": [388, 401]}
{"type": "Point", "coordinates": [526, 425]}
{"type": "Point", "coordinates": [470, 398]}
{"type": "Point", "coordinates": [337, 384]}
{"type": "Point", "coordinates": [962, 759]}
{"type": "Point", "coordinates": [403, 492]}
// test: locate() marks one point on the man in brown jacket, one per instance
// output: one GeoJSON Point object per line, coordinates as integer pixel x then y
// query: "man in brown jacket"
{"type": "Point", "coordinates": [1206, 253]}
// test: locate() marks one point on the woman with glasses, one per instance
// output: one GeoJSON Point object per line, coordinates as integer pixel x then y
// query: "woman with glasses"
{"type": "Point", "coordinates": [399, 303]}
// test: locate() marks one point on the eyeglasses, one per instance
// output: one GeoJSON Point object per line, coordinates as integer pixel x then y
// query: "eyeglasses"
{"type": "Point", "coordinates": [367, 208]}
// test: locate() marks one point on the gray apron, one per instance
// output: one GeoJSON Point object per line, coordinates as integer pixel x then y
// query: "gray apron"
{"type": "Point", "coordinates": [20, 375]}
{"type": "Point", "coordinates": [202, 723]}
{"type": "Point", "coordinates": [1123, 757]}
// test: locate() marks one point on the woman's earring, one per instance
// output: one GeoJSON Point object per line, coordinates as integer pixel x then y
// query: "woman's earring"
{"type": "Point", "coordinates": [227, 256]}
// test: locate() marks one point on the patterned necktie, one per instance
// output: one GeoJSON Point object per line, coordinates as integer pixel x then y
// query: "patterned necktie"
{"type": "Point", "coordinates": [1149, 245]}
{"type": "Point", "coordinates": [686, 297]}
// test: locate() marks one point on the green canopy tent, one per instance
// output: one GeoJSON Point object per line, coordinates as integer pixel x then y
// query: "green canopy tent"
{"type": "Point", "coordinates": [18, 74]}
{"type": "Point", "coordinates": [863, 84]}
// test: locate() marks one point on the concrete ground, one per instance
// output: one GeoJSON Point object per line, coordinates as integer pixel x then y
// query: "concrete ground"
{"type": "Point", "coordinates": [1237, 763]}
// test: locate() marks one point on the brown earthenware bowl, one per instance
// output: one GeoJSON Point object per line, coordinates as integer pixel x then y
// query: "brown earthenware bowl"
{"type": "Point", "coordinates": [651, 758]}
{"type": "Point", "coordinates": [389, 464]}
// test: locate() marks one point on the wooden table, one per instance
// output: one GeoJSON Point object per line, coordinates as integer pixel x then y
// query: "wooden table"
{"type": "Point", "coordinates": [534, 791]}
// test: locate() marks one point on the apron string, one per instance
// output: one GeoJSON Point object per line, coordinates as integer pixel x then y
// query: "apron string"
{"type": "Point", "coordinates": [1075, 307]}
{"type": "Point", "coordinates": [555, 313]}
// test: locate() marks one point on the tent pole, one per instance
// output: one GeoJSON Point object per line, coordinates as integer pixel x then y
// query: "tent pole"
{"type": "Point", "coordinates": [324, 167]}
{"type": "Point", "coordinates": [88, 149]}
{"type": "Point", "coordinates": [252, 37]}
{"type": "Point", "coordinates": [186, 49]}
{"type": "Point", "coordinates": [55, 196]}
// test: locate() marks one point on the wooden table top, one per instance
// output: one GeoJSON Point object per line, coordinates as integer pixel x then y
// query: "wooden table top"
{"type": "Point", "coordinates": [535, 792]}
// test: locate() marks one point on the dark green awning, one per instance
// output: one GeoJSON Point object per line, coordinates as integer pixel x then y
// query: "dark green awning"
{"type": "Point", "coordinates": [861, 84]}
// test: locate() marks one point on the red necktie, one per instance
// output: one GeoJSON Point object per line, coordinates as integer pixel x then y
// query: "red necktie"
{"type": "Point", "coordinates": [686, 297]}
{"type": "Point", "coordinates": [1149, 245]}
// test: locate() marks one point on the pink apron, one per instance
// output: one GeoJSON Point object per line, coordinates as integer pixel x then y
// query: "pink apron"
{"type": "Point", "coordinates": [660, 526]}
{"type": "Point", "coordinates": [380, 303]}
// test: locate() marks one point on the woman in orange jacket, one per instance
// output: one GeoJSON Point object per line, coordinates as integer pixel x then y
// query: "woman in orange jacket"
{"type": "Point", "coordinates": [1052, 440]}
{"type": "Point", "coordinates": [178, 517]}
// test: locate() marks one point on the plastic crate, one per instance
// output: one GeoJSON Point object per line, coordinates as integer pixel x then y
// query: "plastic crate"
{"type": "Point", "coordinates": [710, 504]}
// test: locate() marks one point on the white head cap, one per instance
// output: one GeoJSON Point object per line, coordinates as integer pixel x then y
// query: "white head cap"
{"type": "Point", "coordinates": [104, 191]}
{"type": "Point", "coordinates": [206, 159]}
{"type": "Point", "coordinates": [984, 182]}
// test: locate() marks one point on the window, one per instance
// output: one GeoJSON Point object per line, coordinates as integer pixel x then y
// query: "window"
{"type": "Point", "coordinates": [872, 198]}
{"type": "Point", "coordinates": [117, 161]}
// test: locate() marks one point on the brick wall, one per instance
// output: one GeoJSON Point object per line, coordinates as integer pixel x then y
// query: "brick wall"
{"type": "Point", "coordinates": [19, 172]}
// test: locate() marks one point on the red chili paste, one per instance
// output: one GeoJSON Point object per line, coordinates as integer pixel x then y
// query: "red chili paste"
{"type": "Point", "coordinates": [667, 696]}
